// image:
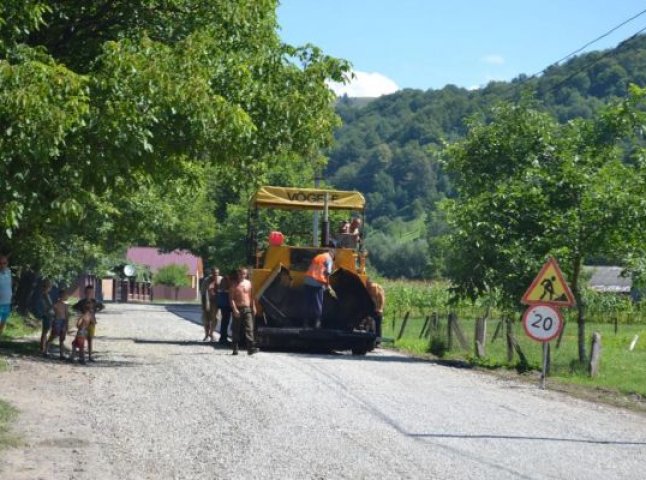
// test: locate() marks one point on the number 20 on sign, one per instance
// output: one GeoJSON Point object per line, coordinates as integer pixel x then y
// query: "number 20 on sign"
{"type": "Point", "coordinates": [542, 322]}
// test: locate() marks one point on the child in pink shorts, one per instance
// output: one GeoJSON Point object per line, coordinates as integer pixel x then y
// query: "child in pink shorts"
{"type": "Point", "coordinates": [82, 326]}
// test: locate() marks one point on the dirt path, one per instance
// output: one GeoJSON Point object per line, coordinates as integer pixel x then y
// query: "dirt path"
{"type": "Point", "coordinates": [160, 404]}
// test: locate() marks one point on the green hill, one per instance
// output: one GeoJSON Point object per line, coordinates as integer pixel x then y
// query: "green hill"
{"type": "Point", "coordinates": [386, 147]}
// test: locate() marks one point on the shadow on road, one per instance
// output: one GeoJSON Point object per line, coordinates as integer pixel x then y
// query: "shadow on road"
{"type": "Point", "coordinates": [179, 342]}
{"type": "Point", "coordinates": [187, 311]}
{"type": "Point", "coordinates": [24, 348]}
{"type": "Point", "coordinates": [30, 349]}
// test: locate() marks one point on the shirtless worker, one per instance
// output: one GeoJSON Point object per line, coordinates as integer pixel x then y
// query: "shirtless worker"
{"type": "Point", "coordinates": [244, 311]}
{"type": "Point", "coordinates": [378, 296]}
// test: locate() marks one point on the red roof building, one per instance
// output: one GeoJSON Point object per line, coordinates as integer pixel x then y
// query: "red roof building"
{"type": "Point", "coordinates": [154, 259]}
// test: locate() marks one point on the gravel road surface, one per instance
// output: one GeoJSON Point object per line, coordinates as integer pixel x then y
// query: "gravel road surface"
{"type": "Point", "coordinates": [160, 404]}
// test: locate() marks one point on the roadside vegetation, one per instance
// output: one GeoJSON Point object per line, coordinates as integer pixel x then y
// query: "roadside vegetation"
{"type": "Point", "coordinates": [17, 327]}
{"type": "Point", "coordinates": [617, 318]}
{"type": "Point", "coordinates": [7, 414]}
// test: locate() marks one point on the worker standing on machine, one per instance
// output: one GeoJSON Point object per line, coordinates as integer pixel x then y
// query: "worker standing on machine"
{"type": "Point", "coordinates": [317, 280]}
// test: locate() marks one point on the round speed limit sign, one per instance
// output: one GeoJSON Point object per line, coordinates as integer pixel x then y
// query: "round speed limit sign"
{"type": "Point", "coordinates": [542, 322]}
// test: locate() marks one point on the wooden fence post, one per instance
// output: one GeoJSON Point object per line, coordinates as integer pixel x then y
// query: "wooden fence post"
{"type": "Point", "coordinates": [479, 337]}
{"type": "Point", "coordinates": [595, 354]}
{"type": "Point", "coordinates": [459, 334]}
{"type": "Point", "coordinates": [433, 326]}
{"type": "Point", "coordinates": [497, 330]}
{"type": "Point", "coordinates": [558, 341]}
{"type": "Point", "coordinates": [510, 337]}
{"type": "Point", "coordinates": [426, 324]}
{"type": "Point", "coordinates": [450, 332]}
{"type": "Point", "coordinates": [404, 322]}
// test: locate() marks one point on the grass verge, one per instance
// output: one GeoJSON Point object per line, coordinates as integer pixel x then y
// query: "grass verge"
{"type": "Point", "coordinates": [17, 327]}
{"type": "Point", "coordinates": [7, 414]}
{"type": "Point", "coordinates": [622, 375]}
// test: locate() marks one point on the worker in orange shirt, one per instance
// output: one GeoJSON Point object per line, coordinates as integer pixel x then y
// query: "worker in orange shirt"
{"type": "Point", "coordinates": [317, 280]}
{"type": "Point", "coordinates": [378, 296]}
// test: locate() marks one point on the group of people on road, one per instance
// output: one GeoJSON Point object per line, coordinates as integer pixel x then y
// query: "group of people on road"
{"type": "Point", "coordinates": [231, 298]}
{"type": "Point", "coordinates": [228, 298]}
{"type": "Point", "coordinates": [55, 322]}
{"type": "Point", "coordinates": [54, 315]}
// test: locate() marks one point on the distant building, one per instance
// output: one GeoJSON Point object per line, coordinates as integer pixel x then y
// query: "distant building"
{"type": "Point", "coordinates": [154, 259]}
{"type": "Point", "coordinates": [609, 279]}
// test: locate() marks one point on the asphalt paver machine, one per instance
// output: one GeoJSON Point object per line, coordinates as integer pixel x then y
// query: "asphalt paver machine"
{"type": "Point", "coordinates": [280, 269]}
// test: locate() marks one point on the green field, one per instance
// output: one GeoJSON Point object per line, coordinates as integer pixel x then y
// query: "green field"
{"type": "Point", "coordinates": [621, 370]}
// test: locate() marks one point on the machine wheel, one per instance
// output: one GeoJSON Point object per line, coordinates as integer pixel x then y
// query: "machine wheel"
{"type": "Point", "coordinates": [359, 351]}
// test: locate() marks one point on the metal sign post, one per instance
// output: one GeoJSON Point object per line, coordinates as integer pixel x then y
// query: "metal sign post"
{"type": "Point", "coordinates": [544, 373]}
{"type": "Point", "coordinates": [543, 323]}
{"type": "Point", "coordinates": [542, 320]}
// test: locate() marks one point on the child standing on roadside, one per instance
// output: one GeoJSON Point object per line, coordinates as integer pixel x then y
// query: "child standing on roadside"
{"type": "Point", "coordinates": [61, 322]}
{"type": "Point", "coordinates": [96, 306]}
{"type": "Point", "coordinates": [82, 326]}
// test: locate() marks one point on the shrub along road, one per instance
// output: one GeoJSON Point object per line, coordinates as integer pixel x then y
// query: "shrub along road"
{"type": "Point", "coordinates": [161, 404]}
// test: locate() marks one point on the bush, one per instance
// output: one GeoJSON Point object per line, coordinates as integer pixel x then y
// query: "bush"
{"type": "Point", "coordinates": [172, 275]}
{"type": "Point", "coordinates": [438, 346]}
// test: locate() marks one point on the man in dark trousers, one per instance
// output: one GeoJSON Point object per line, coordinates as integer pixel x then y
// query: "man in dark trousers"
{"type": "Point", "coordinates": [378, 296]}
{"type": "Point", "coordinates": [244, 311]}
{"type": "Point", "coordinates": [317, 280]}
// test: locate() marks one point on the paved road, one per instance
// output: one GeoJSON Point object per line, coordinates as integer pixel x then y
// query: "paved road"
{"type": "Point", "coordinates": [160, 404]}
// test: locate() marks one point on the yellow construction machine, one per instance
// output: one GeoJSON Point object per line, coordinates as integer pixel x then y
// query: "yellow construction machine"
{"type": "Point", "coordinates": [279, 271]}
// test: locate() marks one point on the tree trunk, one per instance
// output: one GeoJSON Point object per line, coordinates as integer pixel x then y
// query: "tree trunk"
{"type": "Point", "coordinates": [28, 283]}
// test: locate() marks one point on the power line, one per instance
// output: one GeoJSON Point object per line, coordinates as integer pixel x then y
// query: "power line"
{"type": "Point", "coordinates": [613, 29]}
{"type": "Point", "coordinates": [597, 60]}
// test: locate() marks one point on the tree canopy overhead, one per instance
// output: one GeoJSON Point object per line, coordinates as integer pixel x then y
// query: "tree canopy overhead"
{"type": "Point", "coordinates": [102, 100]}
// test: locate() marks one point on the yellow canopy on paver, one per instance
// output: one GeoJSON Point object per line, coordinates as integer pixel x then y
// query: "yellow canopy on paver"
{"type": "Point", "coordinates": [289, 198]}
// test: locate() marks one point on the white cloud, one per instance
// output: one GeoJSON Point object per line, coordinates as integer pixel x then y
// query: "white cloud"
{"type": "Point", "coordinates": [365, 84]}
{"type": "Point", "coordinates": [493, 59]}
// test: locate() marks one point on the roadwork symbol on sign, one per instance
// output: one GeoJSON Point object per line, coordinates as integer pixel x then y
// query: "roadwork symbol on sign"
{"type": "Point", "coordinates": [542, 322]}
{"type": "Point", "coordinates": [549, 287]}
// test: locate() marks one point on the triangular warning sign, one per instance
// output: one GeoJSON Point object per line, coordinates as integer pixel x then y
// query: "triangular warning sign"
{"type": "Point", "coordinates": [549, 287]}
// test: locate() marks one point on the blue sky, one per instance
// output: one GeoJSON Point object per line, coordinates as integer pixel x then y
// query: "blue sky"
{"type": "Point", "coordinates": [428, 44]}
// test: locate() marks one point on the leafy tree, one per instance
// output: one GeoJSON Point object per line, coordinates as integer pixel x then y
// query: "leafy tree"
{"type": "Point", "coordinates": [528, 187]}
{"type": "Point", "coordinates": [113, 113]}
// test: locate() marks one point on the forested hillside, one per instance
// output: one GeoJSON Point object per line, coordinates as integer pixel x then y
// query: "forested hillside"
{"type": "Point", "coordinates": [387, 148]}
